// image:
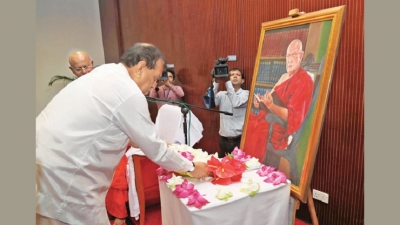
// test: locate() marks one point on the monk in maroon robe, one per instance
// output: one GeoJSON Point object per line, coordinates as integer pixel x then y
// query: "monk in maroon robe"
{"type": "Point", "coordinates": [294, 92]}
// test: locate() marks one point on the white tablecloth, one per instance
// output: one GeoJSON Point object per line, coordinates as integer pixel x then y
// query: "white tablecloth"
{"type": "Point", "coordinates": [269, 206]}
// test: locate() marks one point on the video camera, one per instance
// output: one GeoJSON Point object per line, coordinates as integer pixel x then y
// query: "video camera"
{"type": "Point", "coordinates": [220, 68]}
{"type": "Point", "coordinates": [164, 76]}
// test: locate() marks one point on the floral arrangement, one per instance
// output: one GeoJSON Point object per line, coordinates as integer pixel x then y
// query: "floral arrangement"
{"type": "Point", "coordinates": [182, 188]}
{"type": "Point", "coordinates": [272, 176]}
{"type": "Point", "coordinates": [225, 171]}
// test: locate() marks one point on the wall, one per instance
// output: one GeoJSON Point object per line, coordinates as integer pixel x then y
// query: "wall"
{"type": "Point", "coordinates": [63, 27]}
{"type": "Point", "coordinates": [194, 33]}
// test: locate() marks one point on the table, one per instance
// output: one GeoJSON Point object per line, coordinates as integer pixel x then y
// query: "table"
{"type": "Point", "coordinates": [269, 206]}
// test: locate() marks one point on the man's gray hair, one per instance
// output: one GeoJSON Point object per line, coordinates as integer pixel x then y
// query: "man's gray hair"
{"type": "Point", "coordinates": [142, 52]}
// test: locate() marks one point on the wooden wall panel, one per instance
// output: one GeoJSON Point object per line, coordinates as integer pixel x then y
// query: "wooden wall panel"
{"type": "Point", "coordinates": [194, 33]}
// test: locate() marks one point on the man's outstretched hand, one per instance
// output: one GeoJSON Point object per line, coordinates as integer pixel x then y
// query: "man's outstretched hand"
{"type": "Point", "coordinates": [200, 170]}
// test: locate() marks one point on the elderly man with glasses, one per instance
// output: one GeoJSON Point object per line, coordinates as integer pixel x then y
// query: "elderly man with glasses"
{"type": "Point", "coordinates": [289, 99]}
{"type": "Point", "coordinates": [80, 63]}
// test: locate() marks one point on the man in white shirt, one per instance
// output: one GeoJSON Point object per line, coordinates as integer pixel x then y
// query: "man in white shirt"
{"type": "Point", "coordinates": [82, 134]}
{"type": "Point", "coordinates": [233, 100]}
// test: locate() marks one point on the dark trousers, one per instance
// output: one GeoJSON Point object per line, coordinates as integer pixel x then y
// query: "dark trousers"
{"type": "Point", "coordinates": [226, 145]}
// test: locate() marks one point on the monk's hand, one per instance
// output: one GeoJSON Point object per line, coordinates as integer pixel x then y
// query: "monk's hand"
{"type": "Point", "coordinates": [268, 100]}
{"type": "Point", "coordinates": [255, 101]}
{"type": "Point", "coordinates": [200, 170]}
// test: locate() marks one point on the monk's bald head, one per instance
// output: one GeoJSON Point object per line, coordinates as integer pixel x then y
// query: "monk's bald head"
{"type": "Point", "coordinates": [80, 63]}
{"type": "Point", "coordinates": [294, 55]}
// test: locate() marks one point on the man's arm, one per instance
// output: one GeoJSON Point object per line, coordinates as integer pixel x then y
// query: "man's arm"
{"type": "Point", "coordinates": [134, 120]}
{"type": "Point", "coordinates": [133, 144]}
{"type": "Point", "coordinates": [178, 91]}
{"type": "Point", "coordinates": [217, 99]}
{"type": "Point", "coordinates": [238, 99]}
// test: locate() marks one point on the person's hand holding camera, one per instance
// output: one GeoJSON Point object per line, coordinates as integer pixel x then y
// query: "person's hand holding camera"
{"type": "Point", "coordinates": [224, 79]}
{"type": "Point", "coordinates": [168, 84]}
{"type": "Point", "coordinates": [160, 83]}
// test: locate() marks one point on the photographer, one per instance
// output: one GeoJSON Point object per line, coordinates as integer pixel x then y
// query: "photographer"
{"type": "Point", "coordinates": [233, 100]}
{"type": "Point", "coordinates": [166, 90]}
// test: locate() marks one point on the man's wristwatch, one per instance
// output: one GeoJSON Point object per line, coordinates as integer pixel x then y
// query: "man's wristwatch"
{"type": "Point", "coordinates": [191, 170]}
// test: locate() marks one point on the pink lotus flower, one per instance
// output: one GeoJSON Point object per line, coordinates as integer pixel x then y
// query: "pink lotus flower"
{"type": "Point", "coordinates": [240, 155]}
{"type": "Point", "coordinates": [163, 174]}
{"type": "Point", "coordinates": [166, 177]}
{"type": "Point", "coordinates": [187, 155]}
{"type": "Point", "coordinates": [276, 178]}
{"type": "Point", "coordinates": [265, 170]}
{"type": "Point", "coordinates": [184, 190]}
{"type": "Point", "coordinates": [161, 171]}
{"type": "Point", "coordinates": [197, 200]}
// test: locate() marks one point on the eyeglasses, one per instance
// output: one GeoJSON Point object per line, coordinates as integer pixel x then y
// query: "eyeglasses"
{"type": "Point", "coordinates": [292, 55]}
{"type": "Point", "coordinates": [79, 69]}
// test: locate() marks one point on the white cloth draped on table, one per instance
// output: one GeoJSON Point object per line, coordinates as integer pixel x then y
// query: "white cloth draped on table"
{"type": "Point", "coordinates": [130, 175]}
{"type": "Point", "coordinates": [270, 206]}
{"type": "Point", "coordinates": [169, 124]}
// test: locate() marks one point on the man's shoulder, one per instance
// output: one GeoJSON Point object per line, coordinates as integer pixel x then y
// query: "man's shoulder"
{"type": "Point", "coordinates": [109, 66]}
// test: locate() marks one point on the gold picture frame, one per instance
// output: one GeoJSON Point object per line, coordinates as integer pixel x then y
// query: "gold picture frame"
{"type": "Point", "coordinates": [319, 34]}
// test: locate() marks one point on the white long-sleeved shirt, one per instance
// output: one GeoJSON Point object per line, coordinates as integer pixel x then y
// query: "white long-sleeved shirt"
{"type": "Point", "coordinates": [81, 136]}
{"type": "Point", "coordinates": [234, 102]}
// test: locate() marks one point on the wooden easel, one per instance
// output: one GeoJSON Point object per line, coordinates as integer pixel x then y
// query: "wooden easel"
{"type": "Point", "coordinates": [311, 208]}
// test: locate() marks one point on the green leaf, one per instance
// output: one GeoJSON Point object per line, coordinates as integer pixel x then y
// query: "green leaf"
{"type": "Point", "coordinates": [58, 77]}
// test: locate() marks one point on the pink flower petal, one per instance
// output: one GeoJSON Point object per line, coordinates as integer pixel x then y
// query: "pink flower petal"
{"type": "Point", "coordinates": [184, 190]}
{"type": "Point", "coordinates": [161, 171]}
{"type": "Point", "coordinates": [197, 200]}
{"type": "Point", "coordinates": [276, 182]}
{"type": "Point", "coordinates": [269, 180]}
{"type": "Point", "coordinates": [165, 177]}
{"type": "Point", "coordinates": [187, 155]}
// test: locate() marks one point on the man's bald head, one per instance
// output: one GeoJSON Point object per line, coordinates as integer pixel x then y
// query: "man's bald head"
{"type": "Point", "coordinates": [80, 63]}
{"type": "Point", "coordinates": [294, 55]}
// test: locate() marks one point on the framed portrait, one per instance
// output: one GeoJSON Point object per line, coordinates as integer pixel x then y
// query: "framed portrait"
{"type": "Point", "coordinates": [289, 91]}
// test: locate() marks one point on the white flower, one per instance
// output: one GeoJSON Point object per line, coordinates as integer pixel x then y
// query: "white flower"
{"type": "Point", "coordinates": [173, 181]}
{"type": "Point", "coordinates": [249, 186]}
{"type": "Point", "coordinates": [252, 163]}
{"type": "Point", "coordinates": [200, 155]}
{"type": "Point", "coordinates": [223, 193]}
{"type": "Point", "coordinates": [177, 147]}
